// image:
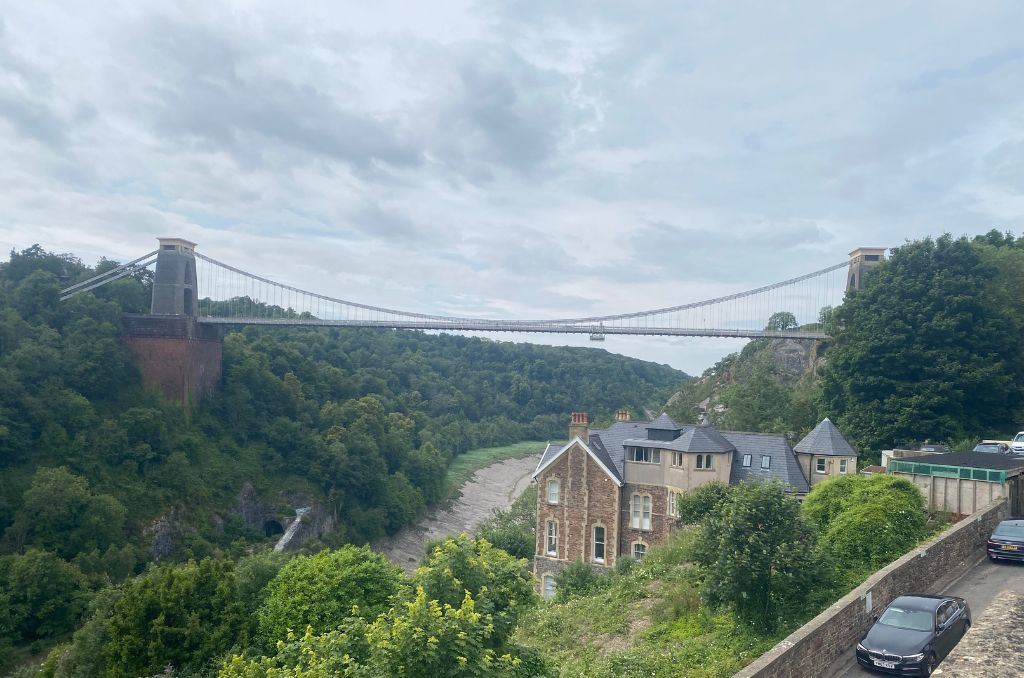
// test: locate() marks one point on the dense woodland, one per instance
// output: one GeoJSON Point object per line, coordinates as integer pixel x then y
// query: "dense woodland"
{"type": "Point", "coordinates": [365, 422]}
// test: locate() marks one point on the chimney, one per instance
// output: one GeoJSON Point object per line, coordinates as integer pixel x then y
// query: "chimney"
{"type": "Point", "coordinates": [622, 415]}
{"type": "Point", "coordinates": [579, 426]}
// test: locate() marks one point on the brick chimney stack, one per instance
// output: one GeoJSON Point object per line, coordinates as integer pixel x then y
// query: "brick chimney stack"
{"type": "Point", "coordinates": [579, 425]}
{"type": "Point", "coordinates": [622, 415]}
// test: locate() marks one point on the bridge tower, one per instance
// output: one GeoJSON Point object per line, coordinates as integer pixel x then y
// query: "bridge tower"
{"type": "Point", "coordinates": [174, 283]}
{"type": "Point", "coordinates": [863, 259]}
{"type": "Point", "coordinates": [177, 355]}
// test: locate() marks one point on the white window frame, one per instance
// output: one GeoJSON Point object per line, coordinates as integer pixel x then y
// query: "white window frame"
{"type": "Point", "coordinates": [820, 466]}
{"type": "Point", "coordinates": [704, 462]}
{"type": "Point", "coordinates": [644, 455]}
{"type": "Point", "coordinates": [766, 461]}
{"type": "Point", "coordinates": [551, 537]}
{"type": "Point", "coordinates": [673, 506]}
{"type": "Point", "coordinates": [548, 589]}
{"type": "Point", "coordinates": [639, 550]}
{"type": "Point", "coordinates": [645, 517]}
{"type": "Point", "coordinates": [677, 459]}
{"type": "Point", "coordinates": [843, 466]}
{"type": "Point", "coordinates": [602, 541]}
{"type": "Point", "coordinates": [554, 482]}
{"type": "Point", "coordinates": [746, 460]}
{"type": "Point", "coordinates": [700, 462]}
{"type": "Point", "coordinates": [634, 511]}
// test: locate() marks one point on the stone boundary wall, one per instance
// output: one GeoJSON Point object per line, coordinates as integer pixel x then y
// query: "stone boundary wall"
{"type": "Point", "coordinates": [811, 649]}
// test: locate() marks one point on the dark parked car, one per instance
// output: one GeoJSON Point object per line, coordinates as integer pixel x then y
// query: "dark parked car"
{"type": "Point", "coordinates": [1007, 541]}
{"type": "Point", "coordinates": [914, 634]}
{"type": "Point", "coordinates": [993, 448]}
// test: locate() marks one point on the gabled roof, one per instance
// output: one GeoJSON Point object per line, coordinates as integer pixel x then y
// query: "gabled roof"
{"type": "Point", "coordinates": [598, 453]}
{"type": "Point", "coordinates": [825, 439]}
{"type": "Point", "coordinates": [783, 466]}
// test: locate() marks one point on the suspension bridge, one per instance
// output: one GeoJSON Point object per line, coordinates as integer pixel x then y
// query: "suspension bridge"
{"type": "Point", "coordinates": [193, 285]}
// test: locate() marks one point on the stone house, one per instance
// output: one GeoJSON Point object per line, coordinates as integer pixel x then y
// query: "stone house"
{"type": "Point", "coordinates": [611, 493]}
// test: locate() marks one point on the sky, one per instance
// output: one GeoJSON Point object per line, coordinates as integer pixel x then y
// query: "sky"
{"type": "Point", "coordinates": [511, 159]}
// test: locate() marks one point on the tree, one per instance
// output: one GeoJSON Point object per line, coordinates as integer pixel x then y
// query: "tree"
{"type": "Point", "coordinates": [758, 555]}
{"type": "Point", "coordinates": [930, 347]}
{"type": "Point", "coordinates": [759, 402]}
{"type": "Point", "coordinates": [514, 530]}
{"type": "Point", "coordinates": [781, 321]}
{"type": "Point", "coordinates": [40, 595]}
{"type": "Point", "coordinates": [184, 615]}
{"type": "Point", "coordinates": [500, 584]}
{"type": "Point", "coordinates": [702, 502]}
{"type": "Point", "coordinates": [59, 512]}
{"type": "Point", "coordinates": [321, 591]}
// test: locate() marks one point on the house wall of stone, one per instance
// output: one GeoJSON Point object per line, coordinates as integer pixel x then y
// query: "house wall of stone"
{"type": "Point", "coordinates": [661, 522]}
{"type": "Point", "coordinates": [587, 497]}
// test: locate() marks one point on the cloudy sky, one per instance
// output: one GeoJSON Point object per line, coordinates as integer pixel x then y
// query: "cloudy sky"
{"type": "Point", "coordinates": [511, 159]}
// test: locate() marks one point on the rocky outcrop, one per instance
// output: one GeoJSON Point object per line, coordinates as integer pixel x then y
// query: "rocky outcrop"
{"type": "Point", "coordinates": [253, 511]}
{"type": "Point", "coordinates": [309, 523]}
{"type": "Point", "coordinates": [164, 533]}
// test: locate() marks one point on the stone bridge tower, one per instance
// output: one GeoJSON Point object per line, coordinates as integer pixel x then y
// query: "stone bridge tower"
{"type": "Point", "coordinates": [863, 259]}
{"type": "Point", "coordinates": [178, 356]}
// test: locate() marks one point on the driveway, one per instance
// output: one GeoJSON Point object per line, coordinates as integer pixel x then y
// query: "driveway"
{"type": "Point", "coordinates": [978, 586]}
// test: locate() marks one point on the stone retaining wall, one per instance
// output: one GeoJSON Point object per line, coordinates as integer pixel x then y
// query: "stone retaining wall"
{"type": "Point", "coordinates": [811, 649]}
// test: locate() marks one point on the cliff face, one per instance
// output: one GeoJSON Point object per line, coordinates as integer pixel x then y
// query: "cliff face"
{"type": "Point", "coordinates": [786, 363]}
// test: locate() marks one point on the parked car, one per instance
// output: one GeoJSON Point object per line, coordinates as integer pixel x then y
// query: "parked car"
{"type": "Point", "coordinates": [992, 447]}
{"type": "Point", "coordinates": [1007, 541]}
{"type": "Point", "coordinates": [914, 634]}
{"type": "Point", "coordinates": [1018, 443]}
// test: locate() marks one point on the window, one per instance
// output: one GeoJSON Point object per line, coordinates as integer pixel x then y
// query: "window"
{"type": "Point", "coordinates": [599, 543]}
{"type": "Point", "coordinates": [842, 465]}
{"type": "Point", "coordinates": [549, 587]}
{"type": "Point", "coordinates": [639, 551]}
{"type": "Point", "coordinates": [746, 460]}
{"type": "Point", "coordinates": [766, 461]}
{"type": "Point", "coordinates": [700, 461]}
{"type": "Point", "coordinates": [644, 455]}
{"type": "Point", "coordinates": [641, 514]}
{"type": "Point", "coordinates": [677, 459]}
{"type": "Point", "coordinates": [673, 505]}
{"type": "Point", "coordinates": [704, 461]}
{"type": "Point", "coordinates": [552, 538]}
{"type": "Point", "coordinates": [552, 491]}
{"type": "Point", "coordinates": [819, 465]}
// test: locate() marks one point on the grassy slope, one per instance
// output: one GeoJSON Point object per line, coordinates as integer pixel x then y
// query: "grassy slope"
{"type": "Point", "coordinates": [647, 622]}
{"type": "Point", "coordinates": [465, 465]}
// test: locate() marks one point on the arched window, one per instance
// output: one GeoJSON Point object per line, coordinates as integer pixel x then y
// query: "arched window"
{"type": "Point", "coordinates": [553, 487]}
{"type": "Point", "coordinates": [552, 538]}
{"type": "Point", "coordinates": [549, 587]}
{"type": "Point", "coordinates": [639, 550]}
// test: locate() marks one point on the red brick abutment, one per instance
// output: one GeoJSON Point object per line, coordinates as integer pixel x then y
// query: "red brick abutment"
{"type": "Point", "coordinates": [928, 568]}
{"type": "Point", "coordinates": [177, 356]}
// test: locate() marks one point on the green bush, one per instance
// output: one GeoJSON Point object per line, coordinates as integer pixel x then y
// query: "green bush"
{"type": "Point", "coordinates": [40, 595]}
{"type": "Point", "coordinates": [577, 579]}
{"type": "Point", "coordinates": [697, 504]}
{"type": "Point", "coordinates": [322, 590]}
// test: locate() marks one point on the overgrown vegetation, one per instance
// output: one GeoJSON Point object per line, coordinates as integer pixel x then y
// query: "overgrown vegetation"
{"type": "Point", "coordinates": [369, 424]}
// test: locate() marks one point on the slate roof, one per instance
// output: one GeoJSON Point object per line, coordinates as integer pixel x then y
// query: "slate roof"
{"type": "Point", "coordinates": [665, 423]}
{"type": "Point", "coordinates": [692, 439]}
{"type": "Point", "coordinates": [826, 440]}
{"type": "Point", "coordinates": [987, 460]}
{"type": "Point", "coordinates": [783, 466]}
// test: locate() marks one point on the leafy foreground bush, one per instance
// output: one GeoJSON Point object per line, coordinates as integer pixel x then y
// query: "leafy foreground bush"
{"type": "Point", "coordinates": [321, 590]}
{"type": "Point", "coordinates": [866, 522]}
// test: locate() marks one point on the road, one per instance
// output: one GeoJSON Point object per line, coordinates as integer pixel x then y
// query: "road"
{"type": "Point", "coordinates": [978, 586]}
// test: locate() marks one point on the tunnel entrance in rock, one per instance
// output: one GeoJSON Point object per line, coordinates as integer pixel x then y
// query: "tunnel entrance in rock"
{"type": "Point", "coordinates": [272, 527]}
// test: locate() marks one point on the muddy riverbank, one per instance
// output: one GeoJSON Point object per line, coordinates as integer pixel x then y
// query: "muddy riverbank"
{"type": "Point", "coordinates": [492, 487]}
